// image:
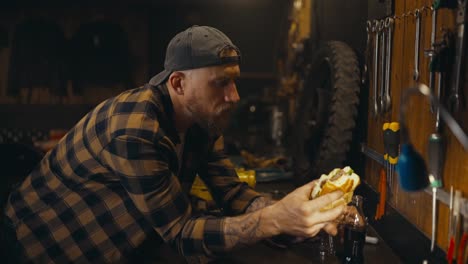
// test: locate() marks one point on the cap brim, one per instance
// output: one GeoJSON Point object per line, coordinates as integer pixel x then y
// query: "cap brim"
{"type": "Point", "coordinates": [160, 78]}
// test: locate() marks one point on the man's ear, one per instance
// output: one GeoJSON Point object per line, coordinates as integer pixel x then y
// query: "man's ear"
{"type": "Point", "coordinates": [176, 82]}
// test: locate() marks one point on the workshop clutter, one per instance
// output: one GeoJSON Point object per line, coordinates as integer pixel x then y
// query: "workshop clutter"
{"type": "Point", "coordinates": [42, 140]}
{"type": "Point", "coordinates": [202, 200]}
{"type": "Point", "coordinates": [48, 68]}
{"type": "Point", "coordinates": [250, 168]}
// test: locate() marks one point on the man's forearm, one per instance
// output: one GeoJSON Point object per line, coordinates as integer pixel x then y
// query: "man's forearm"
{"type": "Point", "coordinates": [259, 203]}
{"type": "Point", "coordinates": [249, 228]}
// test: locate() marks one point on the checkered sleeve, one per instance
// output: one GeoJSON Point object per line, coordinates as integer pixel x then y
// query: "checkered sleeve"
{"type": "Point", "coordinates": [143, 169]}
{"type": "Point", "coordinates": [228, 191]}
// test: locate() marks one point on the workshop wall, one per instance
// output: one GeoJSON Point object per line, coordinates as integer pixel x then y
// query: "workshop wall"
{"type": "Point", "coordinates": [417, 207]}
{"type": "Point", "coordinates": [255, 26]}
{"type": "Point", "coordinates": [133, 21]}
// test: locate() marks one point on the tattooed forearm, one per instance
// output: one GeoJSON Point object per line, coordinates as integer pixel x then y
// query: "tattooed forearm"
{"type": "Point", "coordinates": [259, 203]}
{"type": "Point", "coordinates": [242, 230]}
{"type": "Point", "coordinates": [247, 229]}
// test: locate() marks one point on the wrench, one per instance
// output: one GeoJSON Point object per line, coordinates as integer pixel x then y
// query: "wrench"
{"type": "Point", "coordinates": [454, 98]}
{"type": "Point", "coordinates": [417, 14]}
{"type": "Point", "coordinates": [382, 66]}
{"type": "Point", "coordinates": [431, 53]}
{"type": "Point", "coordinates": [431, 61]}
{"type": "Point", "coordinates": [367, 52]}
{"type": "Point", "coordinates": [376, 66]}
{"type": "Point", "coordinates": [387, 98]}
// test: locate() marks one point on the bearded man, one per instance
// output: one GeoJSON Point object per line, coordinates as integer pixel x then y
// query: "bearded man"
{"type": "Point", "coordinates": [122, 175]}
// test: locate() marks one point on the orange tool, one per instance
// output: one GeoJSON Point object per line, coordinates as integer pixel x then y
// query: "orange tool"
{"type": "Point", "coordinates": [383, 194]}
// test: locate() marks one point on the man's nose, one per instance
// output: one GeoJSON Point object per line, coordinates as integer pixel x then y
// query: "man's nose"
{"type": "Point", "coordinates": [231, 94]}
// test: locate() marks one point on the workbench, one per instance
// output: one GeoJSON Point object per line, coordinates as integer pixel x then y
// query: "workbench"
{"type": "Point", "coordinates": [306, 252]}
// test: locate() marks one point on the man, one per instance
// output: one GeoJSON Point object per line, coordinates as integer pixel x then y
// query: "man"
{"type": "Point", "coordinates": [122, 175]}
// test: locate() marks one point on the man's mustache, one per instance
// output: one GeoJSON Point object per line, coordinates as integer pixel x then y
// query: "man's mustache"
{"type": "Point", "coordinates": [229, 107]}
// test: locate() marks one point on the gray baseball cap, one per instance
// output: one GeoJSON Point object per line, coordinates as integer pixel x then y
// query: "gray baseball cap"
{"type": "Point", "coordinates": [195, 47]}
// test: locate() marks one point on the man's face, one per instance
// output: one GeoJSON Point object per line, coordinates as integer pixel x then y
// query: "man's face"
{"type": "Point", "coordinates": [211, 95]}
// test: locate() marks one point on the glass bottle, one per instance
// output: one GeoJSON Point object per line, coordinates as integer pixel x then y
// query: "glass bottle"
{"type": "Point", "coordinates": [355, 226]}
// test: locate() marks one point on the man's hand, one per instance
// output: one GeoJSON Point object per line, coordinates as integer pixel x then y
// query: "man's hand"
{"type": "Point", "coordinates": [296, 215]}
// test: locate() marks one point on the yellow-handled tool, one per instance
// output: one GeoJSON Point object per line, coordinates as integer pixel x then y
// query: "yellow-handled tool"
{"type": "Point", "coordinates": [391, 139]}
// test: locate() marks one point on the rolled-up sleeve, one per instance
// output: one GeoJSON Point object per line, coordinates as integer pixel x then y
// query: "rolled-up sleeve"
{"type": "Point", "coordinates": [144, 172]}
{"type": "Point", "coordinates": [221, 178]}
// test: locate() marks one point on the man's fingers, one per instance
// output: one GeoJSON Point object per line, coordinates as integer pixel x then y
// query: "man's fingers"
{"type": "Point", "coordinates": [322, 201]}
{"type": "Point", "coordinates": [331, 228]}
{"type": "Point", "coordinates": [313, 230]}
{"type": "Point", "coordinates": [309, 185]}
{"type": "Point", "coordinates": [328, 215]}
{"type": "Point", "coordinates": [306, 189]}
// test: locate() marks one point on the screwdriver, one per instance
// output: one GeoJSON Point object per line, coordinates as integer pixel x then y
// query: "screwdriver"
{"type": "Point", "coordinates": [380, 211]}
{"type": "Point", "coordinates": [436, 144]}
{"type": "Point", "coordinates": [436, 151]}
{"type": "Point", "coordinates": [391, 146]}
{"type": "Point", "coordinates": [436, 158]}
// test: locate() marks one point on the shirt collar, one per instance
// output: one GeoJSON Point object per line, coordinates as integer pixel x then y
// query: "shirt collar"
{"type": "Point", "coordinates": [167, 119]}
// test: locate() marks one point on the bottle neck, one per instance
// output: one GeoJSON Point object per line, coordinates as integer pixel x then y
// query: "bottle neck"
{"type": "Point", "coordinates": [359, 218]}
{"type": "Point", "coordinates": [357, 201]}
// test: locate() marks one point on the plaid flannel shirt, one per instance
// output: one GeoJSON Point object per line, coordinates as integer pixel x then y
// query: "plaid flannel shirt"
{"type": "Point", "coordinates": [114, 180]}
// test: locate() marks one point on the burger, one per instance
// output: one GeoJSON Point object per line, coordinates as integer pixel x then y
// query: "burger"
{"type": "Point", "coordinates": [344, 180]}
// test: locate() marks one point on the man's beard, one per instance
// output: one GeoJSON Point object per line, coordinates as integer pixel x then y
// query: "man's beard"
{"type": "Point", "coordinates": [214, 123]}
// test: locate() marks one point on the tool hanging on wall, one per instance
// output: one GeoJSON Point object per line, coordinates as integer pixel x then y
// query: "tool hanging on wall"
{"type": "Point", "coordinates": [391, 139]}
{"type": "Point", "coordinates": [411, 167]}
{"type": "Point", "coordinates": [383, 50]}
{"type": "Point", "coordinates": [380, 211]}
{"type": "Point", "coordinates": [375, 29]}
{"type": "Point", "coordinates": [457, 230]}
{"type": "Point", "coordinates": [387, 99]}
{"type": "Point", "coordinates": [382, 32]}
{"type": "Point", "coordinates": [444, 197]}
{"type": "Point", "coordinates": [462, 249]}
{"type": "Point", "coordinates": [367, 53]}
{"type": "Point", "coordinates": [431, 54]}
{"type": "Point", "coordinates": [436, 145]}
{"type": "Point", "coordinates": [450, 218]}
{"type": "Point", "coordinates": [462, 255]}
{"type": "Point", "coordinates": [417, 15]}
{"type": "Point", "coordinates": [460, 58]}
{"type": "Point", "coordinates": [454, 239]}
